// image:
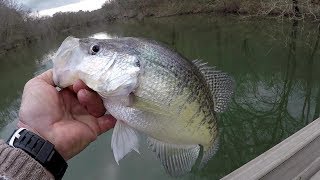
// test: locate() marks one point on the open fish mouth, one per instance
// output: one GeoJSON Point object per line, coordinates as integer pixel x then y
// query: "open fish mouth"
{"type": "Point", "coordinates": [62, 62]}
{"type": "Point", "coordinates": [110, 73]}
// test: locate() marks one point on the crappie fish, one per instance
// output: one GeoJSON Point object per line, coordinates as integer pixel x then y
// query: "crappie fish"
{"type": "Point", "coordinates": [150, 89]}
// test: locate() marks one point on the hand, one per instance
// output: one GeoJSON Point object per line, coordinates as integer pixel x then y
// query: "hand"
{"type": "Point", "coordinates": [70, 119]}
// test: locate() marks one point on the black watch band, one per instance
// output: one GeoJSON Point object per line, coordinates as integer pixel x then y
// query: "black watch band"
{"type": "Point", "coordinates": [41, 150]}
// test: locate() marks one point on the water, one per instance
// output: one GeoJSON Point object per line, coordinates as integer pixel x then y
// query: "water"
{"type": "Point", "coordinates": [275, 66]}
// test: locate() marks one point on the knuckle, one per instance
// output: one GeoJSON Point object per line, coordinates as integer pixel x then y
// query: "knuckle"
{"type": "Point", "coordinates": [29, 83]}
{"type": "Point", "coordinates": [93, 137]}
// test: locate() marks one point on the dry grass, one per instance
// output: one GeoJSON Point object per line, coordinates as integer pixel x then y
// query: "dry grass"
{"type": "Point", "coordinates": [16, 28]}
{"type": "Point", "coordinates": [159, 8]}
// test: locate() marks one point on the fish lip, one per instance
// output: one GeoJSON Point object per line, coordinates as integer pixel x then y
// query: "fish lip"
{"type": "Point", "coordinates": [57, 83]}
{"type": "Point", "coordinates": [56, 80]}
{"type": "Point", "coordinates": [61, 58]}
{"type": "Point", "coordinates": [68, 45]}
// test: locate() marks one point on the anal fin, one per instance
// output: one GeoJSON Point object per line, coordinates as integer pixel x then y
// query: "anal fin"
{"type": "Point", "coordinates": [176, 159]}
{"type": "Point", "coordinates": [124, 140]}
{"type": "Point", "coordinates": [207, 154]}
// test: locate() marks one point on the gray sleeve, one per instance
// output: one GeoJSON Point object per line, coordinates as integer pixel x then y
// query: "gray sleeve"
{"type": "Point", "coordinates": [15, 164]}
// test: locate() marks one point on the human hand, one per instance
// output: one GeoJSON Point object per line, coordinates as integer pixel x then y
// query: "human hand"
{"type": "Point", "coordinates": [70, 119]}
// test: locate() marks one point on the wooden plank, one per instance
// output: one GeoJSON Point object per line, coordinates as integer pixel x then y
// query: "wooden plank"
{"type": "Point", "coordinates": [310, 171]}
{"type": "Point", "coordinates": [297, 157]}
{"type": "Point", "coordinates": [316, 176]}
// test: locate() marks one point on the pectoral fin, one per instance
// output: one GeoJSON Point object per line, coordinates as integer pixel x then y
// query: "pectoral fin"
{"type": "Point", "coordinates": [124, 140]}
{"type": "Point", "coordinates": [176, 159]}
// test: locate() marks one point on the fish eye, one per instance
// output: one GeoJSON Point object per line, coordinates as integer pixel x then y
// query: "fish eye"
{"type": "Point", "coordinates": [137, 63]}
{"type": "Point", "coordinates": [94, 49]}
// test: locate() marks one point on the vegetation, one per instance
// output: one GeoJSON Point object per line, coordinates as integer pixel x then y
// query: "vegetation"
{"type": "Point", "coordinates": [141, 8]}
{"type": "Point", "coordinates": [12, 23]}
{"type": "Point", "coordinates": [17, 28]}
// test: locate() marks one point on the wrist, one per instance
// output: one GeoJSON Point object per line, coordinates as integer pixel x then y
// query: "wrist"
{"type": "Point", "coordinates": [47, 137]}
{"type": "Point", "coordinates": [39, 149]}
{"type": "Point", "coordinates": [17, 164]}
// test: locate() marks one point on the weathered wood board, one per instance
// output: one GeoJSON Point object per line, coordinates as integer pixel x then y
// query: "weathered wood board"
{"type": "Point", "coordinates": [297, 157]}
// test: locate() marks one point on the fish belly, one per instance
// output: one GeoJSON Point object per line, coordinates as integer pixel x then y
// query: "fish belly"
{"type": "Point", "coordinates": [163, 126]}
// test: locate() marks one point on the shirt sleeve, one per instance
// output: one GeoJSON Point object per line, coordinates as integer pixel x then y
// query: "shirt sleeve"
{"type": "Point", "coordinates": [15, 164]}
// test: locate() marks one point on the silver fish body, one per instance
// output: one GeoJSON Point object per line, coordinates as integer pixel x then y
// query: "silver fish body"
{"type": "Point", "coordinates": [150, 89]}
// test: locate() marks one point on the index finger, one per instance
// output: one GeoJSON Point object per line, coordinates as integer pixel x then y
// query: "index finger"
{"type": "Point", "coordinates": [92, 101]}
{"type": "Point", "coordinates": [78, 85]}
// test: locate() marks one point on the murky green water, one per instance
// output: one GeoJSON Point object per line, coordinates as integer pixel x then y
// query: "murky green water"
{"type": "Point", "coordinates": [276, 66]}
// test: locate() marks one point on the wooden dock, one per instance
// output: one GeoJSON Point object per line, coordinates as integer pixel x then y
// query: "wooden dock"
{"type": "Point", "coordinates": [297, 157]}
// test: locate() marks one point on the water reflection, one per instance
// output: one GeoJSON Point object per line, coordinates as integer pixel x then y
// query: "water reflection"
{"type": "Point", "coordinates": [102, 35]}
{"type": "Point", "coordinates": [269, 108]}
{"type": "Point", "coordinates": [275, 66]}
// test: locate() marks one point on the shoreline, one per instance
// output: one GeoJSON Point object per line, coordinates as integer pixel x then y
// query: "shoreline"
{"type": "Point", "coordinates": [6, 48]}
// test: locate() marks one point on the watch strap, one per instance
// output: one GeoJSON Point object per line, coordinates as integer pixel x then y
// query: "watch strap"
{"type": "Point", "coordinates": [41, 150]}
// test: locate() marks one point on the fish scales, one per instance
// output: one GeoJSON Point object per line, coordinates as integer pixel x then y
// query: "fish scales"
{"type": "Point", "coordinates": [153, 90]}
{"type": "Point", "coordinates": [182, 72]}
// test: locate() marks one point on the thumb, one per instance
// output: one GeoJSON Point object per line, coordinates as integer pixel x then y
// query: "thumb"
{"type": "Point", "coordinates": [106, 122]}
{"type": "Point", "coordinates": [46, 77]}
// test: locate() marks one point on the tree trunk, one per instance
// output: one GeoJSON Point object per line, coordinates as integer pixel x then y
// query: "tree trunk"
{"type": "Point", "coordinates": [296, 9]}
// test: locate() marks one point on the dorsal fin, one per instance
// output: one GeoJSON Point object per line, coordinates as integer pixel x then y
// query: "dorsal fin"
{"type": "Point", "coordinates": [220, 83]}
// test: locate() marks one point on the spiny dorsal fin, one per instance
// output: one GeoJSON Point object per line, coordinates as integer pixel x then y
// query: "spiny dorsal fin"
{"type": "Point", "coordinates": [176, 159]}
{"type": "Point", "coordinates": [220, 83]}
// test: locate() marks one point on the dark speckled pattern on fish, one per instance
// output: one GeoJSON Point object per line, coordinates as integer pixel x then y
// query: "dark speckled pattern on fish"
{"type": "Point", "coordinates": [153, 90]}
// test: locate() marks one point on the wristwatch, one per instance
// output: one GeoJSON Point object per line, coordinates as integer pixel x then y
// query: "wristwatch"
{"type": "Point", "coordinates": [41, 150]}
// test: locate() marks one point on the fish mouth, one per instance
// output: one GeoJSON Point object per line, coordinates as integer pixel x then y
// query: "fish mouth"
{"type": "Point", "coordinates": [63, 76]}
{"type": "Point", "coordinates": [60, 81]}
{"type": "Point", "coordinates": [56, 80]}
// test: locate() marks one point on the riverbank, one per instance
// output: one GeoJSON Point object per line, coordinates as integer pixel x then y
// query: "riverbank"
{"type": "Point", "coordinates": [19, 29]}
{"type": "Point", "coordinates": [277, 85]}
{"type": "Point", "coordinates": [283, 8]}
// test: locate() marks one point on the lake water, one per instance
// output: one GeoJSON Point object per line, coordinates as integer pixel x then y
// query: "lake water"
{"type": "Point", "coordinates": [276, 66]}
